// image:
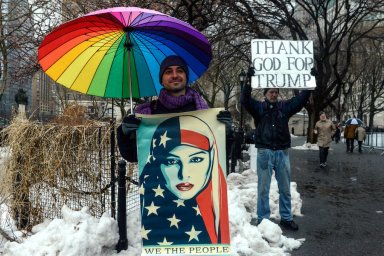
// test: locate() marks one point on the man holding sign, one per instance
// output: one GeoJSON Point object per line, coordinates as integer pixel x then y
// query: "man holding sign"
{"type": "Point", "coordinates": [275, 67]}
{"type": "Point", "coordinates": [175, 97]}
{"type": "Point", "coordinates": [183, 198]}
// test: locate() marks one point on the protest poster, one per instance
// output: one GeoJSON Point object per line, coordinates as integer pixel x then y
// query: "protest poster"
{"type": "Point", "coordinates": [183, 191]}
{"type": "Point", "coordinates": [282, 64]}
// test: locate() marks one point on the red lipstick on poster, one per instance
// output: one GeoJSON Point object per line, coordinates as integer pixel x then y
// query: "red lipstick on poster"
{"type": "Point", "coordinates": [184, 186]}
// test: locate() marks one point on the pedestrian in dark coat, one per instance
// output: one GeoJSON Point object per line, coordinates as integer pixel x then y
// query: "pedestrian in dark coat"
{"type": "Point", "coordinates": [337, 134]}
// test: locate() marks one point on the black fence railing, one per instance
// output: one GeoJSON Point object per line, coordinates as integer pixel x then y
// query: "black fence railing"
{"type": "Point", "coordinates": [87, 175]}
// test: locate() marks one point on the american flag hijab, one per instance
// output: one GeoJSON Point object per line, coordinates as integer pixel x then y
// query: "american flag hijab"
{"type": "Point", "coordinates": [173, 213]}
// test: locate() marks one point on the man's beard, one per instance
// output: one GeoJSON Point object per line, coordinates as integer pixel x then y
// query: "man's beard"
{"type": "Point", "coordinates": [177, 89]}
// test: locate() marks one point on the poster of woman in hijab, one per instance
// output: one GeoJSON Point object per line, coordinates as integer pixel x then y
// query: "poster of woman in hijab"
{"type": "Point", "coordinates": [183, 190]}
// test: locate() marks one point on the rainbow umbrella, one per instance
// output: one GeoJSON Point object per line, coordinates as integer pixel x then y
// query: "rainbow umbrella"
{"type": "Point", "coordinates": [116, 52]}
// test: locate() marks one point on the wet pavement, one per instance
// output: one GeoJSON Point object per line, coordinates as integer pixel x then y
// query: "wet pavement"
{"type": "Point", "coordinates": [343, 203]}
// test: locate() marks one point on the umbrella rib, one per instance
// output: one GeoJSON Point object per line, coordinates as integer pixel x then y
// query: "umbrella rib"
{"type": "Point", "coordinates": [138, 50]}
{"type": "Point", "coordinates": [185, 49]}
{"type": "Point", "coordinates": [109, 74]}
{"type": "Point", "coordinates": [155, 47]}
{"type": "Point", "coordinates": [181, 46]}
{"type": "Point", "coordinates": [129, 71]}
{"type": "Point", "coordinates": [141, 52]}
{"type": "Point", "coordinates": [70, 86]}
{"type": "Point", "coordinates": [101, 62]}
{"type": "Point", "coordinates": [47, 67]}
{"type": "Point", "coordinates": [92, 29]}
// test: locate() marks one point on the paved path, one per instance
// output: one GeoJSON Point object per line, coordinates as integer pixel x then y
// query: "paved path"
{"type": "Point", "coordinates": [343, 204]}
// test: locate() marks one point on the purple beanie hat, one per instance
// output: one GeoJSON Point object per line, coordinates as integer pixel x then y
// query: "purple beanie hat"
{"type": "Point", "coordinates": [173, 60]}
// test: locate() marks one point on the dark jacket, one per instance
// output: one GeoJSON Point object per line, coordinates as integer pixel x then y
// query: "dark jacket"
{"type": "Point", "coordinates": [271, 119]}
{"type": "Point", "coordinates": [192, 101]}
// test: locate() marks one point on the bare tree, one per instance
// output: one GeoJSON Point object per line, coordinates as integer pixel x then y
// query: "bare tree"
{"type": "Point", "coordinates": [368, 98]}
{"type": "Point", "coordinates": [20, 24]}
{"type": "Point", "coordinates": [334, 26]}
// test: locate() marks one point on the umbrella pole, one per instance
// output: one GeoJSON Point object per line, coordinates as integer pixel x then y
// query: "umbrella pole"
{"type": "Point", "coordinates": [130, 80]}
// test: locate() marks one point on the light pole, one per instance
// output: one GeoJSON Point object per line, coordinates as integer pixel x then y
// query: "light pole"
{"type": "Point", "coordinates": [3, 108]}
{"type": "Point", "coordinates": [239, 134]}
{"type": "Point", "coordinates": [304, 111]}
{"type": "Point", "coordinates": [242, 77]}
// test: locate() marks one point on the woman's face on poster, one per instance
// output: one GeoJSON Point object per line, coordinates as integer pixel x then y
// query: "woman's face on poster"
{"type": "Point", "coordinates": [186, 170]}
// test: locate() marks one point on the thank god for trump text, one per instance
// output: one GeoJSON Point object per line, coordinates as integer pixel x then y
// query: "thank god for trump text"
{"type": "Point", "coordinates": [282, 64]}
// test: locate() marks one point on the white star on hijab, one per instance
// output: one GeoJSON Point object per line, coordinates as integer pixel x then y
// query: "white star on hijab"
{"type": "Point", "coordinates": [144, 232]}
{"type": "Point", "coordinates": [193, 234]}
{"type": "Point", "coordinates": [165, 242]}
{"type": "Point", "coordinates": [164, 139]}
{"type": "Point", "coordinates": [174, 221]}
{"type": "Point", "coordinates": [158, 191]}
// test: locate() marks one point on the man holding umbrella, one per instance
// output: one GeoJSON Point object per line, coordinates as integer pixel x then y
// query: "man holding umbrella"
{"type": "Point", "coordinates": [349, 134]}
{"type": "Point", "coordinates": [175, 97]}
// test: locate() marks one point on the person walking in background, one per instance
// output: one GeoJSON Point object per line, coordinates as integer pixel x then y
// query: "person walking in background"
{"type": "Point", "coordinates": [360, 135]}
{"type": "Point", "coordinates": [272, 140]}
{"type": "Point", "coordinates": [324, 129]}
{"type": "Point", "coordinates": [337, 134]}
{"type": "Point", "coordinates": [349, 135]}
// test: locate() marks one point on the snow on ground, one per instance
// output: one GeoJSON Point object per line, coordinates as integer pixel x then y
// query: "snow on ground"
{"type": "Point", "coordinates": [307, 146]}
{"type": "Point", "coordinates": [79, 233]}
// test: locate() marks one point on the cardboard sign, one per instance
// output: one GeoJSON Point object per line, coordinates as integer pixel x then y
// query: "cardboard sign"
{"type": "Point", "coordinates": [183, 192]}
{"type": "Point", "coordinates": [282, 64]}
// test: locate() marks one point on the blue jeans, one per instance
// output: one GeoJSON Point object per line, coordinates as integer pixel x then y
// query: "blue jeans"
{"type": "Point", "coordinates": [267, 161]}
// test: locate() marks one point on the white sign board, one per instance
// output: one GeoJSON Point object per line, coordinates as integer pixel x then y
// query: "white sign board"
{"type": "Point", "coordinates": [282, 64]}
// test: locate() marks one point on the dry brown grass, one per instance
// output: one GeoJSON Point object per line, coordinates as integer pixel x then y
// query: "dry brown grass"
{"type": "Point", "coordinates": [54, 158]}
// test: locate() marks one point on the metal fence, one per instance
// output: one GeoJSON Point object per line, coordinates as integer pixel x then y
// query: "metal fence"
{"type": "Point", "coordinates": [374, 141]}
{"type": "Point", "coordinates": [89, 180]}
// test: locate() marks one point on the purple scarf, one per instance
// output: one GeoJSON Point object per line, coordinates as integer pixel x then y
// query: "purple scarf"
{"type": "Point", "coordinates": [171, 102]}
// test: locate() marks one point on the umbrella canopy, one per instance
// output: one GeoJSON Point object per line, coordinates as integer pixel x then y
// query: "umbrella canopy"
{"type": "Point", "coordinates": [117, 52]}
{"type": "Point", "coordinates": [354, 121]}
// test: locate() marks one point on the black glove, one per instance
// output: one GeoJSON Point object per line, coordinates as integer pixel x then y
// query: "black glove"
{"type": "Point", "coordinates": [314, 72]}
{"type": "Point", "coordinates": [130, 123]}
{"type": "Point", "coordinates": [250, 72]}
{"type": "Point", "coordinates": [224, 116]}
